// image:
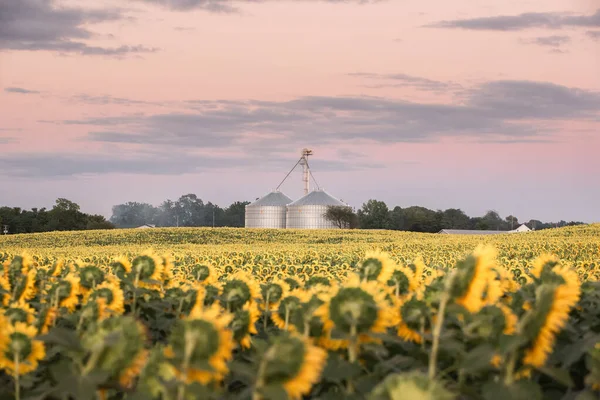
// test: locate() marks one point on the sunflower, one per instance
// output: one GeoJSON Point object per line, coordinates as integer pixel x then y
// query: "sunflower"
{"type": "Point", "coordinates": [293, 363]}
{"type": "Point", "coordinates": [112, 293]}
{"type": "Point", "coordinates": [204, 273]}
{"type": "Point", "coordinates": [4, 285]}
{"type": "Point", "coordinates": [410, 319]}
{"type": "Point", "coordinates": [358, 308]}
{"type": "Point", "coordinates": [287, 307]}
{"type": "Point", "coordinates": [239, 289]}
{"type": "Point", "coordinates": [410, 385]}
{"type": "Point", "coordinates": [20, 312]}
{"type": "Point", "coordinates": [202, 338]}
{"type": "Point", "coordinates": [20, 352]}
{"type": "Point", "coordinates": [553, 305]}
{"type": "Point", "coordinates": [243, 324]}
{"type": "Point", "coordinates": [147, 267]}
{"type": "Point", "coordinates": [23, 287]}
{"type": "Point", "coordinates": [121, 266]}
{"type": "Point", "coordinates": [473, 277]}
{"type": "Point", "coordinates": [124, 355]}
{"type": "Point", "coordinates": [376, 265]}
{"type": "Point", "coordinates": [272, 293]}
{"type": "Point", "coordinates": [65, 292]}
{"type": "Point", "coordinates": [45, 319]}
{"type": "Point", "coordinates": [133, 370]}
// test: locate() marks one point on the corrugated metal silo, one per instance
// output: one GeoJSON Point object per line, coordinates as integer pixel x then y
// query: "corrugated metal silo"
{"type": "Point", "coordinates": [308, 212]}
{"type": "Point", "coordinates": [268, 211]}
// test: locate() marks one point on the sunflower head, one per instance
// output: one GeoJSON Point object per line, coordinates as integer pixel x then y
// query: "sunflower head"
{"type": "Point", "coordinates": [359, 308]}
{"type": "Point", "coordinates": [273, 292]}
{"type": "Point", "coordinates": [200, 345]}
{"type": "Point", "coordinates": [124, 354]}
{"type": "Point", "coordinates": [471, 278]}
{"type": "Point", "coordinates": [238, 290]}
{"type": "Point", "coordinates": [243, 324]}
{"type": "Point", "coordinates": [20, 312]}
{"type": "Point", "coordinates": [121, 266]}
{"type": "Point", "coordinates": [292, 363]}
{"type": "Point", "coordinates": [147, 266]}
{"type": "Point", "coordinates": [203, 273]}
{"type": "Point", "coordinates": [90, 276]}
{"type": "Point", "coordinates": [376, 265]}
{"type": "Point", "coordinates": [410, 385]}
{"type": "Point", "coordinates": [20, 347]}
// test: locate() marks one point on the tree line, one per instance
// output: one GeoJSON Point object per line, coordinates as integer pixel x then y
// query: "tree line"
{"type": "Point", "coordinates": [190, 210]}
{"type": "Point", "coordinates": [375, 214]}
{"type": "Point", "coordinates": [65, 215]}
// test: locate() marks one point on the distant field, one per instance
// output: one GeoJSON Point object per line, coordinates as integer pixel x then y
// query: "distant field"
{"type": "Point", "coordinates": [578, 245]}
{"type": "Point", "coordinates": [186, 313]}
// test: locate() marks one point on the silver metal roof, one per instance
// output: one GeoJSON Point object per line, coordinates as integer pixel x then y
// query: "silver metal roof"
{"type": "Point", "coordinates": [318, 197]}
{"type": "Point", "coordinates": [471, 232]}
{"type": "Point", "coordinates": [275, 198]}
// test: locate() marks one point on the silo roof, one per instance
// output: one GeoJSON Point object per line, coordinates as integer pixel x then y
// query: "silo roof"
{"type": "Point", "coordinates": [274, 198]}
{"type": "Point", "coordinates": [318, 198]}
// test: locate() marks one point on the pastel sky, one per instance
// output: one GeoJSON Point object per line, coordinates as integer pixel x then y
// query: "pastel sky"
{"type": "Point", "coordinates": [475, 105]}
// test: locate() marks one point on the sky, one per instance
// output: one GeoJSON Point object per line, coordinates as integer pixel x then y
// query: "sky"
{"type": "Point", "coordinates": [478, 105]}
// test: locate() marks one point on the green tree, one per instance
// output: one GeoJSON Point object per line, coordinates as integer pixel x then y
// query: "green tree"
{"type": "Point", "coordinates": [374, 214]}
{"type": "Point", "coordinates": [341, 216]}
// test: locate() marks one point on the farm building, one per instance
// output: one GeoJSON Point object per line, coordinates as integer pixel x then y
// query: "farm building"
{"type": "Point", "coordinates": [146, 226]}
{"type": "Point", "coordinates": [308, 211]}
{"type": "Point", "coordinates": [276, 210]}
{"type": "Point", "coordinates": [268, 211]}
{"type": "Point", "coordinates": [520, 229]}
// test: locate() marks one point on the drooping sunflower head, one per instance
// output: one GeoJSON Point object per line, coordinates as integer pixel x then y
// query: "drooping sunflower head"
{"type": "Point", "coordinates": [376, 265]}
{"type": "Point", "coordinates": [203, 343]}
{"type": "Point", "coordinates": [112, 293]}
{"type": "Point", "coordinates": [20, 347]}
{"type": "Point", "coordinates": [293, 363]}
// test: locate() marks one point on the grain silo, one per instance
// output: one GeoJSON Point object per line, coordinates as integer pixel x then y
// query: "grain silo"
{"type": "Point", "coordinates": [268, 212]}
{"type": "Point", "coordinates": [308, 212]}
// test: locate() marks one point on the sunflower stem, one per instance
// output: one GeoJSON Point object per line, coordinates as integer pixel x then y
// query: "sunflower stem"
{"type": "Point", "coordinates": [135, 286]}
{"type": "Point", "coordinates": [352, 354]}
{"type": "Point", "coordinates": [422, 331]}
{"type": "Point", "coordinates": [510, 369]}
{"type": "Point", "coordinates": [287, 318]}
{"type": "Point", "coordinates": [437, 330]}
{"type": "Point", "coordinates": [190, 344]}
{"type": "Point", "coordinates": [17, 381]}
{"type": "Point", "coordinates": [266, 312]}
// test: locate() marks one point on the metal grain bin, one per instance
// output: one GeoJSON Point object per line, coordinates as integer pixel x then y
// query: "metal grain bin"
{"type": "Point", "coordinates": [268, 211]}
{"type": "Point", "coordinates": [308, 212]}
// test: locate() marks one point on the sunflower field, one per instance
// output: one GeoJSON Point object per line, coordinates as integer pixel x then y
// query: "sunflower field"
{"type": "Point", "coordinates": [196, 313]}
